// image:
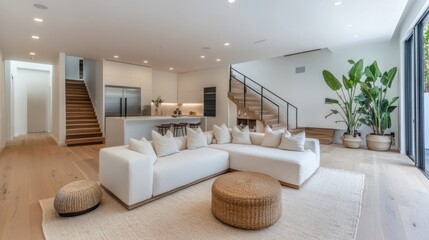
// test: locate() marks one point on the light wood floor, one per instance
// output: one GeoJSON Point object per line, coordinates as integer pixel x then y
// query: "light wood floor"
{"type": "Point", "coordinates": [395, 200]}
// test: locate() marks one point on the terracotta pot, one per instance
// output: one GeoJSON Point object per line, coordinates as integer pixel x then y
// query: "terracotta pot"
{"type": "Point", "coordinates": [378, 142]}
{"type": "Point", "coordinates": [351, 142]}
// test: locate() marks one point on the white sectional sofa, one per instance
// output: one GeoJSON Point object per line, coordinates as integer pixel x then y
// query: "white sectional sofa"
{"type": "Point", "coordinates": [132, 178]}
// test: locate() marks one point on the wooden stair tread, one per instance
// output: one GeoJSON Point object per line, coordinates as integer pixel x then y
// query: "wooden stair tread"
{"type": "Point", "coordinates": [87, 140]}
{"type": "Point", "coordinates": [82, 125]}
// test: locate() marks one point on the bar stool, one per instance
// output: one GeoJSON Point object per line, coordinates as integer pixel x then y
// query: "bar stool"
{"type": "Point", "coordinates": [163, 128]}
{"type": "Point", "coordinates": [180, 128]}
{"type": "Point", "coordinates": [194, 125]}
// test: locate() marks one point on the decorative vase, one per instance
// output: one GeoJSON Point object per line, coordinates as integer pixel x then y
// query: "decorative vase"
{"type": "Point", "coordinates": [378, 142]}
{"type": "Point", "coordinates": [156, 111]}
{"type": "Point", "coordinates": [351, 142]}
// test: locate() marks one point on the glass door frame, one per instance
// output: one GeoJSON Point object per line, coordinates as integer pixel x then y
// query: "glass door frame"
{"type": "Point", "coordinates": [410, 133]}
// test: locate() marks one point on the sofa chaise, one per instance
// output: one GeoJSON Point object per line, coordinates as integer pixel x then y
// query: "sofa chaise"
{"type": "Point", "coordinates": [133, 180]}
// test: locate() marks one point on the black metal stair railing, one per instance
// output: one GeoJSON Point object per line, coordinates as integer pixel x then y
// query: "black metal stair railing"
{"type": "Point", "coordinates": [264, 102]}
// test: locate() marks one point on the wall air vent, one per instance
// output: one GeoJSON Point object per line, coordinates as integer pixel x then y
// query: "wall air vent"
{"type": "Point", "coordinates": [300, 69]}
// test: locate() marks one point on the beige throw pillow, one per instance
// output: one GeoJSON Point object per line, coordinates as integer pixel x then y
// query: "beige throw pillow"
{"type": "Point", "coordinates": [196, 138]}
{"type": "Point", "coordinates": [293, 142]}
{"type": "Point", "coordinates": [272, 138]}
{"type": "Point", "coordinates": [241, 136]}
{"type": "Point", "coordinates": [164, 145]}
{"type": "Point", "coordinates": [221, 134]}
{"type": "Point", "coordinates": [143, 147]}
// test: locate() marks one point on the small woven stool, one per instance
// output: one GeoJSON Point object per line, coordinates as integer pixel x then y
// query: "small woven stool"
{"type": "Point", "coordinates": [247, 200]}
{"type": "Point", "coordinates": [77, 198]}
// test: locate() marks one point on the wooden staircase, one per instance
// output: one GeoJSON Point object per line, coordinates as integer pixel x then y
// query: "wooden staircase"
{"type": "Point", "coordinates": [81, 122]}
{"type": "Point", "coordinates": [253, 106]}
{"type": "Point", "coordinates": [248, 94]}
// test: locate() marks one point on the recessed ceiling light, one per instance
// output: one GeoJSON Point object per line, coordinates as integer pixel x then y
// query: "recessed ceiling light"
{"type": "Point", "coordinates": [32, 53]}
{"type": "Point", "coordinates": [202, 56]}
{"type": "Point", "coordinates": [356, 36]}
{"type": "Point", "coordinates": [337, 3]}
{"type": "Point", "coordinates": [40, 6]}
{"type": "Point", "coordinates": [38, 20]}
{"type": "Point", "coordinates": [145, 61]}
{"type": "Point", "coordinates": [218, 60]}
{"type": "Point", "coordinates": [171, 69]}
{"type": "Point", "coordinates": [35, 37]}
{"type": "Point", "coordinates": [231, 1]}
{"type": "Point", "coordinates": [349, 25]}
{"type": "Point", "coordinates": [116, 56]}
{"type": "Point", "coordinates": [226, 44]}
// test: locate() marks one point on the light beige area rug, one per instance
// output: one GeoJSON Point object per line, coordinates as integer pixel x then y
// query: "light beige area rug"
{"type": "Point", "coordinates": [327, 207]}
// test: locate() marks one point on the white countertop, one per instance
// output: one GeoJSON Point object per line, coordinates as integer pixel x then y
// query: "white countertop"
{"type": "Point", "coordinates": [151, 118]}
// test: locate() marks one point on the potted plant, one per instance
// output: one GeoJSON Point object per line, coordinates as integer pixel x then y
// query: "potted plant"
{"type": "Point", "coordinates": [346, 93]}
{"type": "Point", "coordinates": [376, 107]}
{"type": "Point", "coordinates": [157, 102]}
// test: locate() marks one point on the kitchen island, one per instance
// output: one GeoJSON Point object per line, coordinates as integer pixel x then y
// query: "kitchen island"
{"type": "Point", "coordinates": [120, 129]}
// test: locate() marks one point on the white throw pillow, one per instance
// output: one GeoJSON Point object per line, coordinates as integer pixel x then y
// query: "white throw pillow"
{"type": "Point", "coordinates": [293, 142]}
{"type": "Point", "coordinates": [196, 138]}
{"type": "Point", "coordinates": [143, 147]}
{"type": "Point", "coordinates": [241, 136]}
{"type": "Point", "coordinates": [272, 138]}
{"type": "Point", "coordinates": [164, 145]}
{"type": "Point", "coordinates": [221, 134]}
{"type": "Point", "coordinates": [209, 136]}
{"type": "Point", "coordinates": [181, 143]}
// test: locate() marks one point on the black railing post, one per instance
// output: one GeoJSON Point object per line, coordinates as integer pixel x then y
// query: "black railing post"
{"type": "Point", "coordinates": [230, 77]}
{"type": "Point", "coordinates": [296, 118]}
{"type": "Point", "coordinates": [287, 116]}
{"type": "Point", "coordinates": [244, 90]}
{"type": "Point", "coordinates": [262, 103]}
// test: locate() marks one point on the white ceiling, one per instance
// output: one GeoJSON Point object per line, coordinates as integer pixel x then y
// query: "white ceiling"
{"type": "Point", "coordinates": [173, 33]}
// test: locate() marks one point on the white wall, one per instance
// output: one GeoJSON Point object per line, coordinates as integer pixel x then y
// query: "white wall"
{"type": "Point", "coordinates": [190, 90]}
{"type": "Point", "coordinates": [7, 117]}
{"type": "Point", "coordinates": [58, 101]}
{"type": "Point", "coordinates": [308, 90]}
{"type": "Point", "coordinates": [164, 84]}
{"type": "Point", "coordinates": [72, 68]}
{"type": "Point", "coordinates": [99, 93]}
{"type": "Point", "coordinates": [2, 99]}
{"type": "Point", "coordinates": [89, 76]}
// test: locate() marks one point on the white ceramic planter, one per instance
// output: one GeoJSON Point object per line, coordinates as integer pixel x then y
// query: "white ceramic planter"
{"type": "Point", "coordinates": [378, 142]}
{"type": "Point", "coordinates": [351, 142]}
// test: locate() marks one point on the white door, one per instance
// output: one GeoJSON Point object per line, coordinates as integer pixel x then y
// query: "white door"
{"type": "Point", "coordinates": [37, 99]}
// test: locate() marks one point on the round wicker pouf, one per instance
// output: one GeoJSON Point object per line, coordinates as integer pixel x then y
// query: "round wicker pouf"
{"type": "Point", "coordinates": [247, 200]}
{"type": "Point", "coordinates": [77, 198]}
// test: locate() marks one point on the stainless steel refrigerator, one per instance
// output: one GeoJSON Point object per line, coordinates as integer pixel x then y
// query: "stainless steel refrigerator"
{"type": "Point", "coordinates": [122, 101]}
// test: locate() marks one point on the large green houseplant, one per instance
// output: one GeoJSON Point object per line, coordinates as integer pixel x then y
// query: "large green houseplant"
{"type": "Point", "coordinates": [376, 107]}
{"type": "Point", "coordinates": [347, 107]}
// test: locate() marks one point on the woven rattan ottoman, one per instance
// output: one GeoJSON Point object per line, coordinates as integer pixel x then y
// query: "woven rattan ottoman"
{"type": "Point", "coordinates": [247, 200]}
{"type": "Point", "coordinates": [77, 198]}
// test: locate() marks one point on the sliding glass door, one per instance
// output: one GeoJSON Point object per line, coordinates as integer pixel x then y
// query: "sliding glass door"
{"type": "Point", "coordinates": [417, 94]}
